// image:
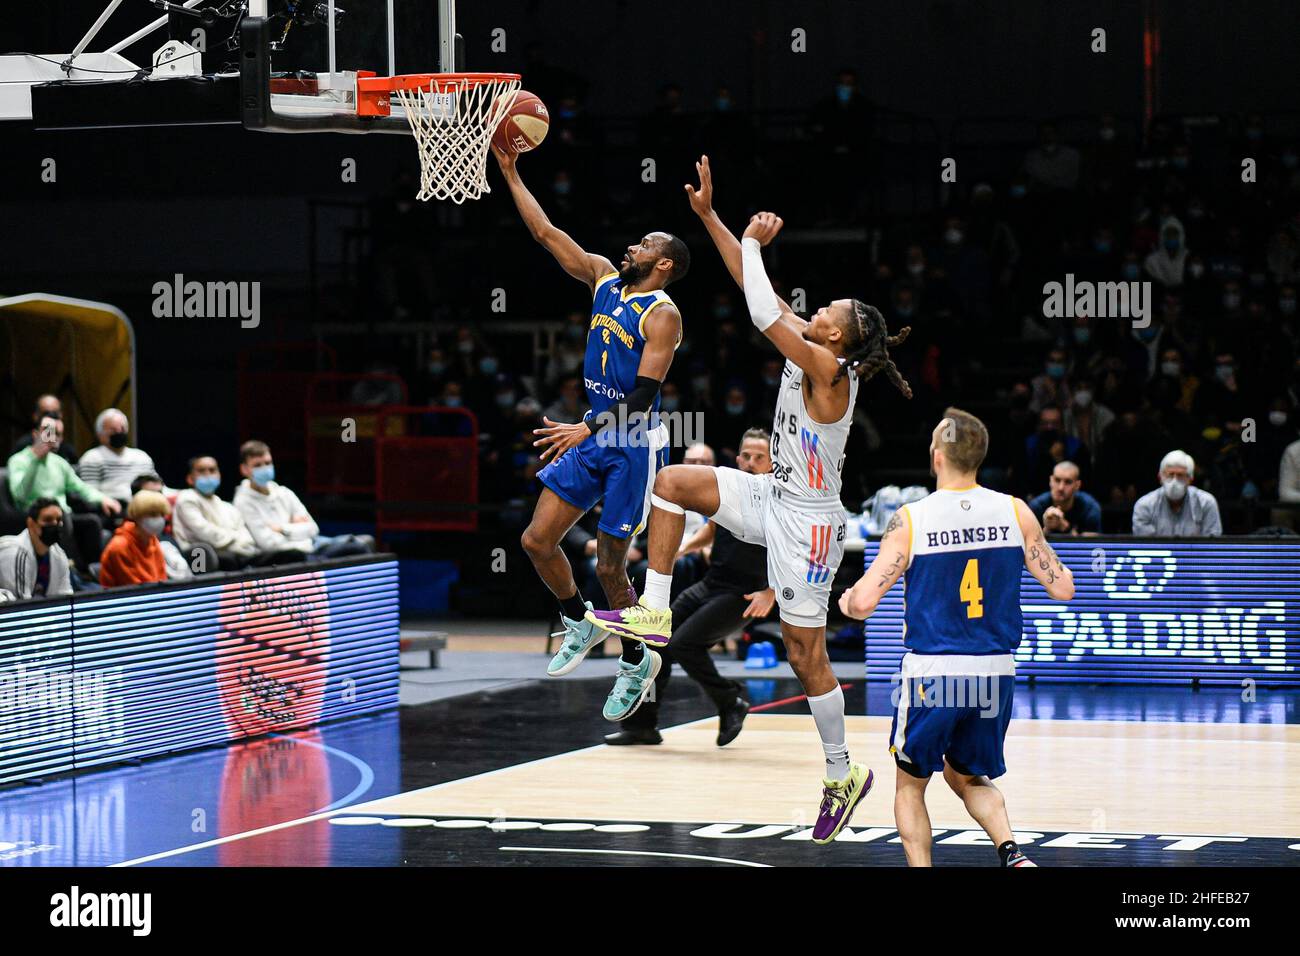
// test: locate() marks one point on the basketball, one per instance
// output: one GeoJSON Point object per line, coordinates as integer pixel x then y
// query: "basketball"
{"type": "Point", "coordinates": [524, 126]}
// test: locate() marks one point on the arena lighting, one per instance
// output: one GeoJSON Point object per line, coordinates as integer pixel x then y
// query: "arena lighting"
{"type": "Point", "coordinates": [1217, 611]}
{"type": "Point", "coordinates": [101, 678]}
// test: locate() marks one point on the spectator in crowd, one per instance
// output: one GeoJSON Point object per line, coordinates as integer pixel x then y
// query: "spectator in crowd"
{"type": "Point", "coordinates": [1065, 508]}
{"type": "Point", "coordinates": [1051, 387]}
{"type": "Point", "coordinates": [35, 473]}
{"type": "Point", "coordinates": [692, 556]}
{"type": "Point", "coordinates": [46, 405]}
{"type": "Point", "coordinates": [110, 466]}
{"type": "Point", "coordinates": [571, 406]}
{"type": "Point", "coordinates": [1177, 509]}
{"type": "Point", "coordinates": [134, 554]}
{"type": "Point", "coordinates": [1087, 419]}
{"type": "Point", "coordinates": [32, 565]}
{"type": "Point", "coordinates": [203, 520]}
{"type": "Point", "coordinates": [1167, 263]}
{"type": "Point", "coordinates": [1050, 165]}
{"type": "Point", "coordinates": [177, 567]}
{"type": "Point", "coordinates": [277, 520]}
{"type": "Point", "coordinates": [1288, 484]}
{"type": "Point", "coordinates": [1049, 446]}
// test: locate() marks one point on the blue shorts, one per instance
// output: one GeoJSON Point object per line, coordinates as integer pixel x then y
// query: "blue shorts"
{"type": "Point", "coordinates": [962, 718]}
{"type": "Point", "coordinates": [622, 475]}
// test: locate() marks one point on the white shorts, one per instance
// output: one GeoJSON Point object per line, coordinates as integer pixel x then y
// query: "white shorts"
{"type": "Point", "coordinates": [804, 544]}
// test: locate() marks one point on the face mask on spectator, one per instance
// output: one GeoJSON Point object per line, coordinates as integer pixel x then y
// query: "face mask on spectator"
{"type": "Point", "coordinates": [722, 311]}
{"type": "Point", "coordinates": [263, 475]}
{"type": "Point", "coordinates": [488, 365]}
{"type": "Point", "coordinates": [575, 333]}
{"type": "Point", "coordinates": [1231, 300]}
{"type": "Point", "coordinates": [207, 484]}
{"type": "Point", "coordinates": [50, 532]}
{"type": "Point", "coordinates": [722, 104]}
{"type": "Point", "coordinates": [505, 399]}
{"type": "Point", "coordinates": [735, 408]}
{"type": "Point", "coordinates": [1254, 133]}
{"type": "Point", "coordinates": [562, 187]}
{"type": "Point", "coordinates": [1277, 418]}
{"type": "Point", "coordinates": [1175, 488]}
{"type": "Point", "coordinates": [670, 404]}
{"type": "Point", "coordinates": [1286, 305]}
{"type": "Point", "coordinates": [452, 401]}
{"type": "Point", "coordinates": [905, 309]}
{"type": "Point", "coordinates": [437, 368]}
{"type": "Point", "coordinates": [117, 440]}
{"type": "Point", "coordinates": [1223, 372]}
{"type": "Point", "coordinates": [1083, 398]}
{"type": "Point", "coordinates": [915, 268]}
{"type": "Point", "coordinates": [1148, 334]}
{"type": "Point", "coordinates": [1055, 370]}
{"type": "Point", "coordinates": [953, 237]}
{"type": "Point", "coordinates": [1172, 369]}
{"type": "Point", "coordinates": [1131, 270]}
{"type": "Point", "coordinates": [154, 525]}
{"type": "Point", "coordinates": [1196, 269]}
{"type": "Point", "coordinates": [844, 92]}
{"type": "Point", "coordinates": [1082, 336]}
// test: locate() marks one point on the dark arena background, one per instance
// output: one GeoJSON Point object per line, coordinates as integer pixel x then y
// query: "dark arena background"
{"type": "Point", "coordinates": [1088, 215]}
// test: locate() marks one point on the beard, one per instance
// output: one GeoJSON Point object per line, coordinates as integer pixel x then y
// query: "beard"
{"type": "Point", "coordinates": [633, 272]}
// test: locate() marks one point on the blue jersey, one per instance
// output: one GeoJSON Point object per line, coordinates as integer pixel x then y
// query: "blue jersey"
{"type": "Point", "coordinates": [962, 585]}
{"type": "Point", "coordinates": [615, 341]}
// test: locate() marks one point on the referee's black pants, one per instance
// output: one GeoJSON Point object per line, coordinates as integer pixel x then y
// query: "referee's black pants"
{"type": "Point", "coordinates": [702, 616]}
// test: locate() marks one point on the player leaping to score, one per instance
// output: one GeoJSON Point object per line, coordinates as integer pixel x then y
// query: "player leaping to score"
{"type": "Point", "coordinates": [634, 330]}
{"type": "Point", "coordinates": [795, 509]}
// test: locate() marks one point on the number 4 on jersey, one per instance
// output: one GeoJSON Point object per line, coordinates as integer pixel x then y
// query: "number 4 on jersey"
{"type": "Point", "coordinates": [972, 595]}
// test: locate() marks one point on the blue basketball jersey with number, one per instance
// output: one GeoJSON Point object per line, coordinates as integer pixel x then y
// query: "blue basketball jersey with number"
{"type": "Point", "coordinates": [615, 341]}
{"type": "Point", "coordinates": [962, 585]}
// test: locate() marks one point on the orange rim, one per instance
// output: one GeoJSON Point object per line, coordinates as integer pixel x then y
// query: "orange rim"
{"type": "Point", "coordinates": [374, 92]}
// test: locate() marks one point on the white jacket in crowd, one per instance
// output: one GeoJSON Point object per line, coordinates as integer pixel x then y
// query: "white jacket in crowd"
{"type": "Point", "coordinates": [278, 506]}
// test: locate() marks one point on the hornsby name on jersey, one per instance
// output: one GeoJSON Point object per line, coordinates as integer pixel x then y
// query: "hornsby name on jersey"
{"type": "Point", "coordinates": [989, 533]}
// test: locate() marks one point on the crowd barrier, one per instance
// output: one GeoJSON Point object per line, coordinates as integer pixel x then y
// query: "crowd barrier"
{"type": "Point", "coordinates": [125, 674]}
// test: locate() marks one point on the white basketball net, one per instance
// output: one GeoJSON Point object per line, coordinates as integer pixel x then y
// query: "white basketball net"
{"type": "Point", "coordinates": [453, 120]}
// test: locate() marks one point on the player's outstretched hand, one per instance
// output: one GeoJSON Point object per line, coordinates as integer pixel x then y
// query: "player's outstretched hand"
{"type": "Point", "coordinates": [559, 438]}
{"type": "Point", "coordinates": [505, 159]}
{"type": "Point", "coordinates": [702, 198]}
{"type": "Point", "coordinates": [763, 226]}
{"type": "Point", "coordinates": [760, 603]}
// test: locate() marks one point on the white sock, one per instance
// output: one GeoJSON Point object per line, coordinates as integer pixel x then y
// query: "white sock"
{"type": "Point", "coordinates": [658, 587]}
{"type": "Point", "coordinates": [828, 712]}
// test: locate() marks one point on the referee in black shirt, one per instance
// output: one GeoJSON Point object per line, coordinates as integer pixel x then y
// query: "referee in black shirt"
{"type": "Point", "coordinates": [733, 590]}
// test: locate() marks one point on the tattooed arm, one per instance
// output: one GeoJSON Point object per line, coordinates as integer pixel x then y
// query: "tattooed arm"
{"type": "Point", "coordinates": [1041, 560]}
{"type": "Point", "coordinates": [859, 602]}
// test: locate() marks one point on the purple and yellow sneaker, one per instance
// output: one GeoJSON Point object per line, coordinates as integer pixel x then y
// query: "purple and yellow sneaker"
{"type": "Point", "coordinates": [839, 799]}
{"type": "Point", "coordinates": [638, 622]}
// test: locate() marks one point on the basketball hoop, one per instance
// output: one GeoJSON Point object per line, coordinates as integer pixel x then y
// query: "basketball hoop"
{"type": "Point", "coordinates": [453, 117]}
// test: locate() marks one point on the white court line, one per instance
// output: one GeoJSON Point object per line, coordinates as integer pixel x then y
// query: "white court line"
{"type": "Point", "coordinates": [322, 816]}
{"type": "Point", "coordinates": [676, 856]}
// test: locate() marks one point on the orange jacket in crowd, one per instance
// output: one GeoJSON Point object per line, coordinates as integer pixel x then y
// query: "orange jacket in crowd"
{"type": "Point", "coordinates": [126, 561]}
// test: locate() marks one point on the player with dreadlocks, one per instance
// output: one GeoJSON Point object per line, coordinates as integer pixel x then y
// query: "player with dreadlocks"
{"type": "Point", "coordinates": [795, 509]}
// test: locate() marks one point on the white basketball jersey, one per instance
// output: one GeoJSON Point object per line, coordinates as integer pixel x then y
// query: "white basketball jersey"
{"type": "Point", "coordinates": [808, 456]}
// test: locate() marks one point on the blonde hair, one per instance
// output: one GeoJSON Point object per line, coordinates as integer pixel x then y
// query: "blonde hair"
{"type": "Point", "coordinates": [148, 504]}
